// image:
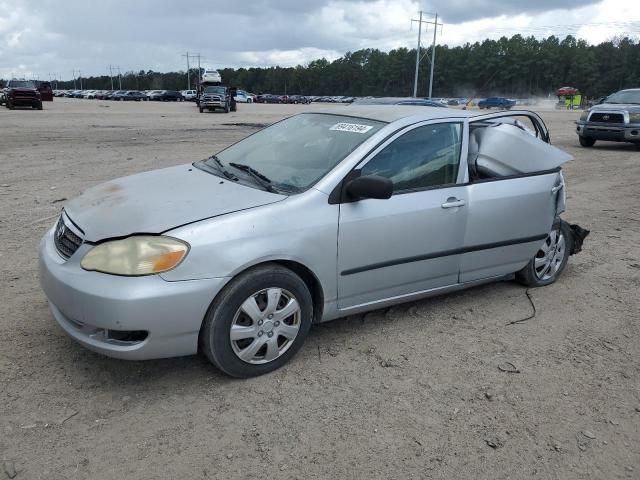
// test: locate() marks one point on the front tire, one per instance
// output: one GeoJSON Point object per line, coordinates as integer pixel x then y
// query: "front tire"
{"type": "Point", "coordinates": [550, 260]}
{"type": "Point", "coordinates": [258, 322]}
{"type": "Point", "coordinates": [586, 141]}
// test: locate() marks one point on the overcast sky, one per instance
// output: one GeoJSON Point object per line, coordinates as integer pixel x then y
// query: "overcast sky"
{"type": "Point", "coordinates": [47, 37]}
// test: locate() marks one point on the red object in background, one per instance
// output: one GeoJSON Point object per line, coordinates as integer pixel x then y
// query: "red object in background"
{"type": "Point", "coordinates": [567, 92]}
{"type": "Point", "coordinates": [46, 94]}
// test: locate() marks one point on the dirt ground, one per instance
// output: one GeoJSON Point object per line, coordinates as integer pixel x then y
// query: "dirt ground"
{"type": "Point", "coordinates": [410, 392]}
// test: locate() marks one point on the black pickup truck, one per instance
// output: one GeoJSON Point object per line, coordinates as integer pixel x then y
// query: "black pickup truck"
{"type": "Point", "coordinates": [21, 93]}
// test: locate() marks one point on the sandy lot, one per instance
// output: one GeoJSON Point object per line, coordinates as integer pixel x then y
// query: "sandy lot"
{"type": "Point", "coordinates": [412, 391]}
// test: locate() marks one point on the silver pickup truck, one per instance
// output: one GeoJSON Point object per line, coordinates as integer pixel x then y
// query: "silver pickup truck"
{"type": "Point", "coordinates": [213, 97]}
{"type": "Point", "coordinates": [616, 119]}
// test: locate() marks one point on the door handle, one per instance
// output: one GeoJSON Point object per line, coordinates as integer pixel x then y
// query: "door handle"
{"type": "Point", "coordinates": [557, 188]}
{"type": "Point", "coordinates": [453, 202]}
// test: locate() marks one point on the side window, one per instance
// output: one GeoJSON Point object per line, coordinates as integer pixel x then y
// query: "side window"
{"type": "Point", "coordinates": [424, 157]}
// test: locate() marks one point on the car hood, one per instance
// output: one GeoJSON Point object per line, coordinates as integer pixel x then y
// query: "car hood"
{"type": "Point", "coordinates": [615, 107]}
{"type": "Point", "coordinates": [160, 200]}
{"type": "Point", "coordinates": [23, 90]}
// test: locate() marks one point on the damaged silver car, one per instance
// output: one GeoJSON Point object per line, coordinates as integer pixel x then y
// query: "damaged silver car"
{"type": "Point", "coordinates": [316, 217]}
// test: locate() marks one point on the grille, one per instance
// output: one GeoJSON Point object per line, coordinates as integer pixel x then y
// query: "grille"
{"type": "Point", "coordinates": [606, 117]}
{"type": "Point", "coordinates": [212, 98]}
{"type": "Point", "coordinates": [66, 241]}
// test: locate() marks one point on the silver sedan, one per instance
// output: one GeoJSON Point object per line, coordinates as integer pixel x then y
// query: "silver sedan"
{"type": "Point", "coordinates": [316, 217]}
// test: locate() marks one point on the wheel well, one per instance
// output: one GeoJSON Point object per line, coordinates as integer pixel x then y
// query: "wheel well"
{"type": "Point", "coordinates": [312, 283]}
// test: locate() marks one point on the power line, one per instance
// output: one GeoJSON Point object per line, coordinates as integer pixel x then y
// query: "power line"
{"type": "Point", "coordinates": [189, 56]}
{"type": "Point", "coordinates": [433, 51]}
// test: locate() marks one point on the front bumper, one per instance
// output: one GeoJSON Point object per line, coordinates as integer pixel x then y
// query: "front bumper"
{"type": "Point", "coordinates": [25, 101]}
{"type": "Point", "coordinates": [90, 305]}
{"type": "Point", "coordinates": [212, 104]}
{"type": "Point", "coordinates": [607, 131]}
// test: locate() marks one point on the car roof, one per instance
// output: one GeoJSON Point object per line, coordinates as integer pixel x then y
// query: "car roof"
{"type": "Point", "coordinates": [391, 113]}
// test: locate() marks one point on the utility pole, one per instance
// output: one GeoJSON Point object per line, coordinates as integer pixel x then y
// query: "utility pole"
{"type": "Point", "coordinates": [190, 56]}
{"type": "Point", "coordinates": [111, 76]}
{"type": "Point", "coordinates": [79, 78]}
{"type": "Point", "coordinates": [433, 50]}
{"type": "Point", "coordinates": [119, 77]}
{"type": "Point", "coordinates": [415, 78]}
{"type": "Point", "coordinates": [188, 75]}
{"type": "Point", "coordinates": [433, 55]}
{"type": "Point", "coordinates": [199, 73]}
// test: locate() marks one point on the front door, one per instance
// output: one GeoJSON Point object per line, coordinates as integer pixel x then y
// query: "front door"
{"type": "Point", "coordinates": [412, 241]}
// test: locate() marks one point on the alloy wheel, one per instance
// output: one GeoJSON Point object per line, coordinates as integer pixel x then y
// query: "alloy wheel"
{"type": "Point", "coordinates": [550, 256]}
{"type": "Point", "coordinates": [265, 326]}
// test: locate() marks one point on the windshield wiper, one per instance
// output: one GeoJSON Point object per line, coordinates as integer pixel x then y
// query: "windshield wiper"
{"type": "Point", "coordinates": [259, 177]}
{"type": "Point", "coordinates": [221, 168]}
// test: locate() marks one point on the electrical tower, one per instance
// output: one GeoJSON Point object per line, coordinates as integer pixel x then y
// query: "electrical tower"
{"type": "Point", "coordinates": [432, 57]}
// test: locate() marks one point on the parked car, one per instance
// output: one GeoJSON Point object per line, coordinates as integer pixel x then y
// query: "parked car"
{"type": "Point", "coordinates": [169, 96]}
{"type": "Point", "coordinates": [269, 98]}
{"type": "Point", "coordinates": [21, 93]}
{"type": "Point", "coordinates": [615, 119]}
{"type": "Point", "coordinates": [298, 99]}
{"type": "Point", "coordinates": [189, 95]}
{"type": "Point", "coordinates": [114, 94]}
{"type": "Point", "coordinates": [421, 102]}
{"type": "Point", "coordinates": [102, 94]}
{"type": "Point", "coordinates": [153, 94]}
{"type": "Point", "coordinates": [243, 97]}
{"type": "Point", "coordinates": [89, 94]}
{"type": "Point", "coordinates": [398, 101]}
{"type": "Point", "coordinates": [496, 102]}
{"type": "Point", "coordinates": [129, 96]}
{"type": "Point", "coordinates": [316, 217]}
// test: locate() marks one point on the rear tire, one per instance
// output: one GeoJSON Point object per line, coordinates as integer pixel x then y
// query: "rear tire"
{"type": "Point", "coordinates": [550, 260]}
{"type": "Point", "coordinates": [201, 110]}
{"type": "Point", "coordinates": [586, 141]}
{"type": "Point", "coordinates": [268, 333]}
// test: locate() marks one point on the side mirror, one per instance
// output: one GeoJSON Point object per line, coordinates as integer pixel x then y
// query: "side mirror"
{"type": "Point", "coordinates": [370, 186]}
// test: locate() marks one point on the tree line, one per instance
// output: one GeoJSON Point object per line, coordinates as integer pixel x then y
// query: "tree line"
{"type": "Point", "coordinates": [517, 67]}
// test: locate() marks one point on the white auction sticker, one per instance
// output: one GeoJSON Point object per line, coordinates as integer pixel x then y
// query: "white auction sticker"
{"type": "Point", "coordinates": [351, 127]}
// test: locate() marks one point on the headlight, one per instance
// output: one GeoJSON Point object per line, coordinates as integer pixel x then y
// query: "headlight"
{"type": "Point", "coordinates": [137, 255]}
{"type": "Point", "coordinates": [634, 117]}
{"type": "Point", "coordinates": [584, 116]}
